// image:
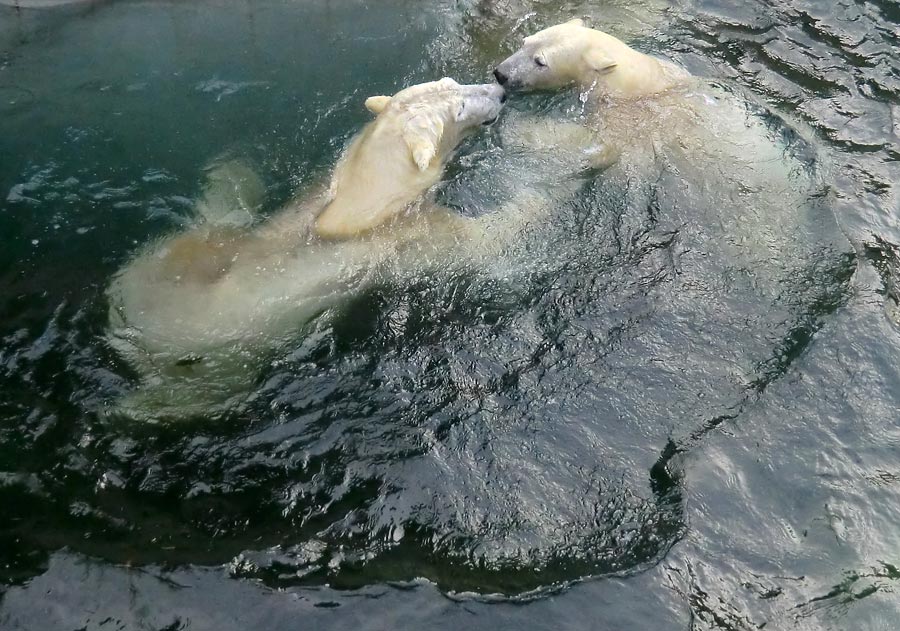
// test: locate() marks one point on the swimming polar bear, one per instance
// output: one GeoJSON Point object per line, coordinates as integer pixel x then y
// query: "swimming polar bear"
{"type": "Point", "coordinates": [195, 313]}
{"type": "Point", "coordinates": [646, 116]}
{"type": "Point", "coordinates": [572, 54]}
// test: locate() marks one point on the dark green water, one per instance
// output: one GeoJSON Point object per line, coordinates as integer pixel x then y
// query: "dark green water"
{"type": "Point", "coordinates": [678, 411]}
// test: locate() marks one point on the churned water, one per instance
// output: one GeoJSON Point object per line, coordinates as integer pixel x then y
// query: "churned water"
{"type": "Point", "coordinates": [677, 405]}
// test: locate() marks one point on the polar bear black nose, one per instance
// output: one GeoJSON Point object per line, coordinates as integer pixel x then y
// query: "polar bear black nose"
{"type": "Point", "coordinates": [501, 78]}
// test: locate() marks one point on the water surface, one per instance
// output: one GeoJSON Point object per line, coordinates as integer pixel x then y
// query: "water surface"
{"type": "Point", "coordinates": [675, 407]}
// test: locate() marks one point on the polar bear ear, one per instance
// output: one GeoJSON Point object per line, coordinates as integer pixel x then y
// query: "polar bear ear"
{"type": "Point", "coordinates": [575, 22]}
{"type": "Point", "coordinates": [423, 135]}
{"type": "Point", "coordinates": [598, 61]}
{"type": "Point", "coordinates": [422, 153]}
{"type": "Point", "coordinates": [376, 104]}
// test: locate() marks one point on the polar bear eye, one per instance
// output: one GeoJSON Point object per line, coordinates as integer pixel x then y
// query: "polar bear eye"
{"type": "Point", "coordinates": [540, 61]}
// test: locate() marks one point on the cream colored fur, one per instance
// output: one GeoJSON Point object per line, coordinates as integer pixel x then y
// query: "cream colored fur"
{"type": "Point", "coordinates": [195, 313]}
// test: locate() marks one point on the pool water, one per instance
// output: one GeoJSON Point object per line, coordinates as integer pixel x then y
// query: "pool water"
{"type": "Point", "coordinates": [673, 406]}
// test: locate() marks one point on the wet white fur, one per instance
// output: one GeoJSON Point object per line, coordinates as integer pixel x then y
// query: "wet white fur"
{"type": "Point", "coordinates": [195, 313]}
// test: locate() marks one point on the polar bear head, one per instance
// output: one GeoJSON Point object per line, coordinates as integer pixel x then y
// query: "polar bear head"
{"type": "Point", "coordinates": [572, 54]}
{"type": "Point", "coordinates": [434, 116]}
{"type": "Point", "coordinates": [400, 154]}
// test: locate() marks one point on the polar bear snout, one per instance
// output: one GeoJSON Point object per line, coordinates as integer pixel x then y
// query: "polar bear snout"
{"type": "Point", "coordinates": [515, 72]}
{"type": "Point", "coordinates": [536, 67]}
{"type": "Point", "coordinates": [481, 104]}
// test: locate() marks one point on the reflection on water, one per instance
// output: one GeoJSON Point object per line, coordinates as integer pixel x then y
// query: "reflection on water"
{"type": "Point", "coordinates": [684, 376]}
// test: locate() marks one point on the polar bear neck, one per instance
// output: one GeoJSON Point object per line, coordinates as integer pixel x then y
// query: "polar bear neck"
{"type": "Point", "coordinates": [635, 74]}
{"type": "Point", "coordinates": [374, 181]}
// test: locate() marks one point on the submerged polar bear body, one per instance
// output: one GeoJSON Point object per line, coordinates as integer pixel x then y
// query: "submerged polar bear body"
{"type": "Point", "coordinates": [195, 313]}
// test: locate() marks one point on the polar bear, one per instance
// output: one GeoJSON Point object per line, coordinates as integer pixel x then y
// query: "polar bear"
{"type": "Point", "coordinates": [425, 122]}
{"type": "Point", "coordinates": [605, 70]}
{"type": "Point", "coordinates": [572, 54]}
{"type": "Point", "coordinates": [737, 165]}
{"type": "Point", "coordinates": [194, 313]}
